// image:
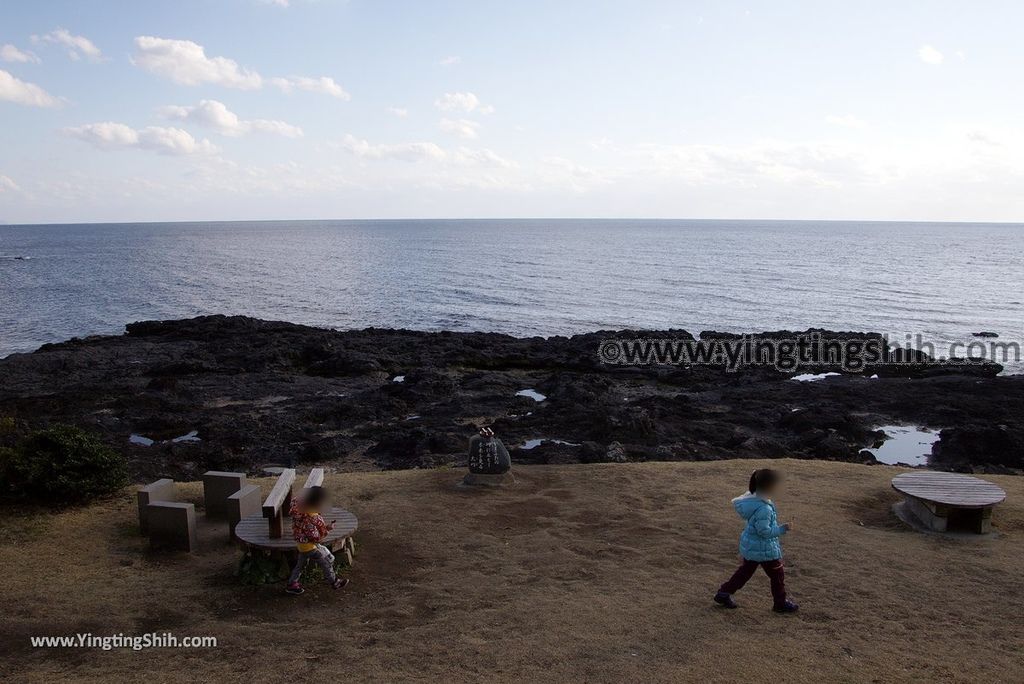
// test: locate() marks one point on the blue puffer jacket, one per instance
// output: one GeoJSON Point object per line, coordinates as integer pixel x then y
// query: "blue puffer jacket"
{"type": "Point", "coordinates": [760, 539]}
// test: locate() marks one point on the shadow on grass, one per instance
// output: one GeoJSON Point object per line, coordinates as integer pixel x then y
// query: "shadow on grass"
{"type": "Point", "coordinates": [875, 511]}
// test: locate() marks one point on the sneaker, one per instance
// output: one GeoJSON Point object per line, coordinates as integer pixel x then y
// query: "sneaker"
{"type": "Point", "coordinates": [725, 600]}
{"type": "Point", "coordinates": [294, 589]}
{"type": "Point", "coordinates": [340, 583]}
{"type": "Point", "coordinates": [787, 607]}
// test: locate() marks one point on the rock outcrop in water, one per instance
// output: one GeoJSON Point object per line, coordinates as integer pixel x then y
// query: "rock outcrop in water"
{"type": "Point", "coordinates": [259, 392]}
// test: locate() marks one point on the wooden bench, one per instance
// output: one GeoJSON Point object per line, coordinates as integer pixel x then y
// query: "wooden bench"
{"type": "Point", "coordinates": [242, 504]}
{"type": "Point", "coordinates": [948, 501]}
{"type": "Point", "coordinates": [315, 479]}
{"type": "Point", "coordinates": [253, 532]}
{"type": "Point", "coordinates": [265, 531]}
{"type": "Point", "coordinates": [278, 502]}
{"type": "Point", "coordinates": [276, 507]}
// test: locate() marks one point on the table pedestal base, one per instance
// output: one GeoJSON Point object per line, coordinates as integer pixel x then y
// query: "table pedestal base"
{"type": "Point", "coordinates": [940, 518]}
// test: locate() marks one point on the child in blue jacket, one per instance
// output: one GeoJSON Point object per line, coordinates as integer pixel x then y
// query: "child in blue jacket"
{"type": "Point", "coordinates": [759, 543]}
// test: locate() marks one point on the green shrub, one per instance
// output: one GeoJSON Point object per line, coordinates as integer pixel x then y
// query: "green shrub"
{"type": "Point", "coordinates": [62, 465]}
{"type": "Point", "coordinates": [257, 566]}
{"type": "Point", "coordinates": [7, 425]}
{"type": "Point", "coordinates": [262, 567]}
{"type": "Point", "coordinates": [7, 456]}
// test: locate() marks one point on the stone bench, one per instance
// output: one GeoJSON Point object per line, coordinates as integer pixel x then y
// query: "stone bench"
{"type": "Point", "coordinates": [242, 504]}
{"type": "Point", "coordinates": [173, 525]}
{"type": "Point", "coordinates": [161, 490]}
{"type": "Point", "coordinates": [217, 487]}
{"type": "Point", "coordinates": [168, 523]}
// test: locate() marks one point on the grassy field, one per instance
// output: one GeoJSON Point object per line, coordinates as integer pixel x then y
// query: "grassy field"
{"type": "Point", "coordinates": [578, 573]}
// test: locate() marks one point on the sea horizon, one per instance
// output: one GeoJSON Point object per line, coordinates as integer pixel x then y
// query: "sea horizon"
{"type": "Point", "coordinates": [422, 219]}
{"type": "Point", "coordinates": [538, 277]}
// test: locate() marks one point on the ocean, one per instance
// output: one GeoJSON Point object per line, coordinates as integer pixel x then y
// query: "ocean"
{"type": "Point", "coordinates": [523, 277]}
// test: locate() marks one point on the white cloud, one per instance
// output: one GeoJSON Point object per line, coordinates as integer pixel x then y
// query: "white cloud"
{"type": "Point", "coordinates": [216, 115]}
{"type": "Point", "coordinates": [450, 60]}
{"type": "Point", "coordinates": [15, 90]}
{"type": "Point", "coordinates": [173, 141]}
{"type": "Point", "coordinates": [400, 112]}
{"type": "Point", "coordinates": [561, 172]}
{"type": "Point", "coordinates": [462, 102]}
{"type": "Point", "coordinates": [186, 63]}
{"type": "Point", "coordinates": [117, 136]}
{"type": "Point", "coordinates": [480, 157]}
{"type": "Point", "coordinates": [10, 53]}
{"type": "Point", "coordinates": [423, 151]}
{"type": "Point", "coordinates": [802, 164]}
{"type": "Point", "coordinates": [281, 179]}
{"type": "Point", "coordinates": [8, 185]}
{"type": "Point", "coordinates": [846, 121]}
{"type": "Point", "coordinates": [77, 46]}
{"type": "Point", "coordinates": [109, 134]}
{"type": "Point", "coordinates": [324, 85]}
{"type": "Point", "coordinates": [464, 128]}
{"type": "Point", "coordinates": [930, 55]}
{"type": "Point", "coordinates": [984, 137]}
{"type": "Point", "coordinates": [414, 151]}
{"type": "Point", "coordinates": [961, 55]}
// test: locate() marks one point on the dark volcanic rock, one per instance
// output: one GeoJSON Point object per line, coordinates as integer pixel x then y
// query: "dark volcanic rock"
{"type": "Point", "coordinates": [958, 447]}
{"type": "Point", "coordinates": [258, 392]}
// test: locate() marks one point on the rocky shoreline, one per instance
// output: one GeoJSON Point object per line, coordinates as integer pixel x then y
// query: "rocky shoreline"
{"type": "Point", "coordinates": [235, 393]}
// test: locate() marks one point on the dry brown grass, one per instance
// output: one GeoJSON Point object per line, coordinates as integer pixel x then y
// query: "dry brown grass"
{"type": "Point", "coordinates": [578, 573]}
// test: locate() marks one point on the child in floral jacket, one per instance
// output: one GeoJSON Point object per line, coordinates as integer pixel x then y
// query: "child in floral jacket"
{"type": "Point", "coordinates": [309, 528]}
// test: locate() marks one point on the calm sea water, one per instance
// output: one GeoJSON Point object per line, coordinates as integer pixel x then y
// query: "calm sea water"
{"type": "Point", "coordinates": [543, 277]}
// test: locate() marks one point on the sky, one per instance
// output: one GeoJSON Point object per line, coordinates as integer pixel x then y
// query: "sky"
{"type": "Point", "coordinates": [117, 110]}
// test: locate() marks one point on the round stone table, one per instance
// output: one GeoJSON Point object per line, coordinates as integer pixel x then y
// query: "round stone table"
{"type": "Point", "coordinates": [945, 501]}
{"type": "Point", "coordinates": [254, 531]}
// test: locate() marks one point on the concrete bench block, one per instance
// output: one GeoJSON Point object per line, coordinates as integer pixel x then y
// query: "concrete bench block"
{"type": "Point", "coordinates": [315, 479]}
{"type": "Point", "coordinates": [161, 490]}
{"type": "Point", "coordinates": [242, 504]}
{"type": "Point", "coordinates": [172, 525]}
{"type": "Point", "coordinates": [217, 487]}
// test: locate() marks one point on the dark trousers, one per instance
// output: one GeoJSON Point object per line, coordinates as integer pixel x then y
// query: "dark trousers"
{"type": "Point", "coordinates": [774, 570]}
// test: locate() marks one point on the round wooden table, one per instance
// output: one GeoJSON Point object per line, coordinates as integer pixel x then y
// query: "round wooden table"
{"type": "Point", "coordinates": [942, 500]}
{"type": "Point", "coordinates": [255, 531]}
